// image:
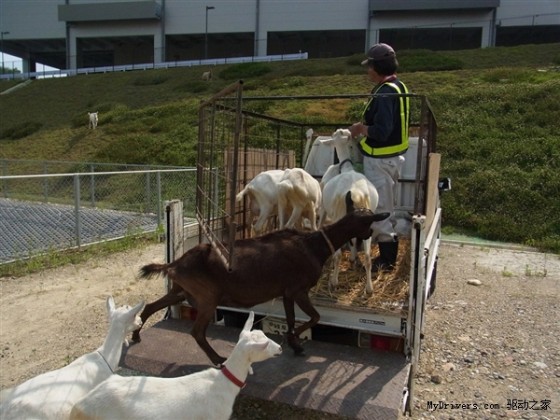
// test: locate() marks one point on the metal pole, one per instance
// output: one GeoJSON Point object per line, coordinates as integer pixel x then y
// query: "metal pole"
{"type": "Point", "coordinates": [5, 173]}
{"type": "Point", "coordinates": [206, 32]}
{"type": "Point", "coordinates": [2, 47]}
{"type": "Point", "coordinates": [158, 183]}
{"type": "Point", "coordinates": [92, 184]}
{"type": "Point", "coordinates": [46, 182]}
{"type": "Point", "coordinates": [77, 210]}
{"type": "Point", "coordinates": [148, 193]}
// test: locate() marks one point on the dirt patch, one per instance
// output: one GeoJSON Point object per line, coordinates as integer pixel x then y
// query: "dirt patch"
{"type": "Point", "coordinates": [495, 345]}
{"type": "Point", "coordinates": [50, 318]}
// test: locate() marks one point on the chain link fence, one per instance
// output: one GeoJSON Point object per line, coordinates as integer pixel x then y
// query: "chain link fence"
{"type": "Point", "coordinates": [47, 212]}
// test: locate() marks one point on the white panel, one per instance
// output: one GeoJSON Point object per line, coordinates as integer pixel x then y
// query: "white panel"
{"type": "Point", "coordinates": [38, 19]}
{"type": "Point", "coordinates": [31, 19]}
{"type": "Point", "coordinates": [526, 13]}
{"type": "Point", "coordinates": [313, 15]}
{"type": "Point", "coordinates": [428, 20]}
{"type": "Point", "coordinates": [227, 16]}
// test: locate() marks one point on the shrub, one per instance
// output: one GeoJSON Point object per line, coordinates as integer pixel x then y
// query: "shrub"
{"type": "Point", "coordinates": [425, 60]}
{"type": "Point", "coordinates": [355, 60]}
{"type": "Point", "coordinates": [196, 86]}
{"type": "Point", "coordinates": [150, 79]}
{"type": "Point", "coordinates": [245, 70]}
{"type": "Point", "coordinates": [176, 147]}
{"type": "Point", "coordinates": [20, 131]}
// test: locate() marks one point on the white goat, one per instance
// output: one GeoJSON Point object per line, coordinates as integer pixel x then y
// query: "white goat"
{"type": "Point", "coordinates": [262, 191]}
{"type": "Point", "coordinates": [207, 76]}
{"type": "Point", "coordinates": [93, 119]}
{"type": "Point", "coordinates": [301, 193]}
{"type": "Point", "coordinates": [363, 193]}
{"type": "Point", "coordinates": [346, 150]}
{"type": "Point", "coordinates": [52, 395]}
{"type": "Point", "coordinates": [209, 394]}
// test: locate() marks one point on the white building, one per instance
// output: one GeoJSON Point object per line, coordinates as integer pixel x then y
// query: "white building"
{"type": "Point", "coordinates": [87, 33]}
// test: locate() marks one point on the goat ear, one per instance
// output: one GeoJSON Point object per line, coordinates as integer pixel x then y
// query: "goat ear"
{"type": "Point", "coordinates": [249, 322]}
{"type": "Point", "coordinates": [325, 140]}
{"type": "Point", "coordinates": [261, 346]}
{"type": "Point", "coordinates": [138, 307]}
{"type": "Point", "coordinates": [377, 217]}
{"type": "Point", "coordinates": [110, 304]}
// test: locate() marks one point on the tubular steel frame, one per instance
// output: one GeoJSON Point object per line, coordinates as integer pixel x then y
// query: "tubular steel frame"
{"type": "Point", "coordinates": [235, 143]}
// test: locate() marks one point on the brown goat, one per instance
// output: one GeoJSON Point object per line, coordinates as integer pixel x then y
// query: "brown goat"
{"type": "Point", "coordinates": [285, 263]}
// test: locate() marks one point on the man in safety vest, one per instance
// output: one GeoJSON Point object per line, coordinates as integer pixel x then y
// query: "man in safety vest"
{"type": "Point", "coordinates": [383, 140]}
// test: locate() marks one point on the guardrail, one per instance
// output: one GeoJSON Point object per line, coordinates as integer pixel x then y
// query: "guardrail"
{"type": "Point", "coordinates": [149, 66]}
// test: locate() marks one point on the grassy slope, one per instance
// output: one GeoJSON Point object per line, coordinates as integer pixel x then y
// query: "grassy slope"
{"type": "Point", "coordinates": [497, 115]}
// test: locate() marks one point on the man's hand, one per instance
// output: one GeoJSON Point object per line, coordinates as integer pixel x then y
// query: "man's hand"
{"type": "Point", "coordinates": [358, 129]}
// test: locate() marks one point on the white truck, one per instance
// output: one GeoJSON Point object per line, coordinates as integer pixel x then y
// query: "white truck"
{"type": "Point", "coordinates": [361, 358]}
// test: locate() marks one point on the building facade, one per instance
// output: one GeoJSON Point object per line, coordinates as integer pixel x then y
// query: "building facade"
{"type": "Point", "coordinates": [74, 34]}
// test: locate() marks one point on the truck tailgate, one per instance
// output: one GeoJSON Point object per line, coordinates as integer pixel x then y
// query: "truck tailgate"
{"type": "Point", "coordinates": [332, 378]}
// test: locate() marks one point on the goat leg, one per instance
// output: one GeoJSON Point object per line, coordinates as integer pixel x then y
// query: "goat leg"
{"type": "Point", "coordinates": [174, 296]}
{"type": "Point", "coordinates": [306, 306]}
{"type": "Point", "coordinates": [198, 331]}
{"type": "Point", "coordinates": [293, 340]}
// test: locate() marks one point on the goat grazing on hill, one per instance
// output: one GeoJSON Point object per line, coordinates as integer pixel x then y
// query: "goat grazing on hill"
{"type": "Point", "coordinates": [52, 395]}
{"type": "Point", "coordinates": [285, 263]}
{"type": "Point", "coordinates": [93, 119]}
{"type": "Point", "coordinates": [207, 76]}
{"type": "Point", "coordinates": [344, 179]}
{"type": "Point", "coordinates": [301, 193]}
{"type": "Point", "coordinates": [262, 192]}
{"type": "Point", "coordinates": [209, 394]}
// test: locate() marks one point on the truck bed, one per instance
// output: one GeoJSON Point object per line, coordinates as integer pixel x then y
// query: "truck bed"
{"type": "Point", "coordinates": [347, 305]}
{"type": "Point", "coordinates": [331, 378]}
{"type": "Point", "coordinates": [390, 289]}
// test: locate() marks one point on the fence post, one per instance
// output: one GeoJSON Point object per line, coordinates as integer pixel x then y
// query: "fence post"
{"type": "Point", "coordinates": [92, 185]}
{"type": "Point", "coordinates": [77, 209]}
{"type": "Point", "coordinates": [175, 241]}
{"type": "Point", "coordinates": [5, 181]}
{"type": "Point", "coordinates": [46, 182]}
{"type": "Point", "coordinates": [148, 194]}
{"type": "Point", "coordinates": [158, 182]}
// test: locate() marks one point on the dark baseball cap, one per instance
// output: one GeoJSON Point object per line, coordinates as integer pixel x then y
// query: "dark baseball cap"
{"type": "Point", "coordinates": [379, 52]}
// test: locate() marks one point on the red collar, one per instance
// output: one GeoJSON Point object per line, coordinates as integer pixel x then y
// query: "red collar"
{"type": "Point", "coordinates": [232, 378]}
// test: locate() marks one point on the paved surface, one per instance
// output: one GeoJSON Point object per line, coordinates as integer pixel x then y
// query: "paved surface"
{"type": "Point", "coordinates": [28, 228]}
{"type": "Point", "coordinates": [344, 380]}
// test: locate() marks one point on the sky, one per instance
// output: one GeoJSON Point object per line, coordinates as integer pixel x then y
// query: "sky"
{"type": "Point", "coordinates": [15, 62]}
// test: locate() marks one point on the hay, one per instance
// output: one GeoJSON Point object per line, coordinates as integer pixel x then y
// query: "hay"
{"type": "Point", "coordinates": [390, 289]}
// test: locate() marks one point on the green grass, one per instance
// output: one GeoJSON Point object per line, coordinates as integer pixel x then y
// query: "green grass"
{"type": "Point", "coordinates": [75, 256]}
{"type": "Point", "coordinates": [497, 111]}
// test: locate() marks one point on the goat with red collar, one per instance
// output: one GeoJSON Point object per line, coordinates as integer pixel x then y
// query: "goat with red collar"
{"type": "Point", "coordinates": [141, 397]}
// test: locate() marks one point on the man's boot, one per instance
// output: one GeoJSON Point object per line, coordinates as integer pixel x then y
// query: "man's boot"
{"type": "Point", "coordinates": [387, 258]}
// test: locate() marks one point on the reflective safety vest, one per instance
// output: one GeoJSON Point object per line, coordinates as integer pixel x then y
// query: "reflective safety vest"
{"type": "Point", "coordinates": [396, 146]}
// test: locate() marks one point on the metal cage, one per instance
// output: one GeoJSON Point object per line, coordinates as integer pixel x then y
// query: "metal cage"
{"type": "Point", "coordinates": [237, 141]}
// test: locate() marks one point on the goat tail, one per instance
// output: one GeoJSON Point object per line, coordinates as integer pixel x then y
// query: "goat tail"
{"type": "Point", "coordinates": [360, 199]}
{"type": "Point", "coordinates": [242, 193]}
{"type": "Point", "coordinates": [154, 269]}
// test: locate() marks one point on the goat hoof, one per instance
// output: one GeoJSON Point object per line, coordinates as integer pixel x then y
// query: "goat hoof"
{"type": "Point", "coordinates": [295, 343]}
{"type": "Point", "coordinates": [299, 351]}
